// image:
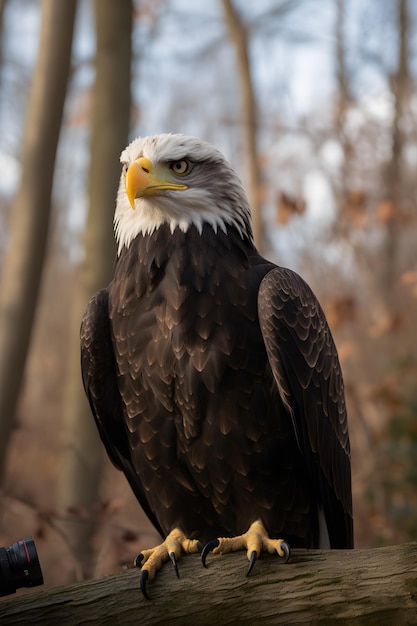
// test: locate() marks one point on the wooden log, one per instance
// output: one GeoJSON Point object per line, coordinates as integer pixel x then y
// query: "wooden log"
{"type": "Point", "coordinates": [370, 587]}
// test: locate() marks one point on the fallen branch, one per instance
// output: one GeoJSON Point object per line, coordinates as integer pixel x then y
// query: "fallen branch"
{"type": "Point", "coordinates": [321, 587]}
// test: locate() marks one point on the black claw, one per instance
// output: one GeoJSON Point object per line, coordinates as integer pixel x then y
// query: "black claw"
{"type": "Point", "coordinates": [174, 562]}
{"type": "Point", "coordinates": [209, 547]}
{"type": "Point", "coordinates": [287, 551]}
{"type": "Point", "coordinates": [252, 560]}
{"type": "Point", "coordinates": [138, 561]}
{"type": "Point", "coordinates": [143, 578]}
{"type": "Point", "coordinates": [199, 546]}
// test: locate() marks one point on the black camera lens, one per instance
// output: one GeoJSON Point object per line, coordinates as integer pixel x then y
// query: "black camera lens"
{"type": "Point", "coordinates": [19, 567]}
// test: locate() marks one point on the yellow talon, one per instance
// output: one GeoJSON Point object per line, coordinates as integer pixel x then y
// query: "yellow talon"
{"type": "Point", "coordinates": [255, 540]}
{"type": "Point", "coordinates": [151, 560]}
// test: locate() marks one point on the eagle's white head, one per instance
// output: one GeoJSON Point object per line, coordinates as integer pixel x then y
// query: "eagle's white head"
{"type": "Point", "coordinates": [180, 181]}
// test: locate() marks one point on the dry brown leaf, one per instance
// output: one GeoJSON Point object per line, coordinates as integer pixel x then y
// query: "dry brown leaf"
{"type": "Point", "coordinates": [355, 207]}
{"type": "Point", "coordinates": [346, 349]}
{"type": "Point", "coordinates": [288, 206]}
{"type": "Point", "coordinates": [340, 310]}
{"type": "Point", "coordinates": [386, 211]}
{"type": "Point", "coordinates": [385, 325]}
{"type": "Point", "coordinates": [409, 277]}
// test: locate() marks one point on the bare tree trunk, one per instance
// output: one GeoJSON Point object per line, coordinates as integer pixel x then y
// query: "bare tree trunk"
{"type": "Point", "coordinates": [394, 178]}
{"type": "Point", "coordinates": [2, 7]}
{"type": "Point", "coordinates": [31, 208]}
{"type": "Point", "coordinates": [343, 93]}
{"type": "Point", "coordinates": [239, 38]}
{"type": "Point", "coordinates": [83, 452]}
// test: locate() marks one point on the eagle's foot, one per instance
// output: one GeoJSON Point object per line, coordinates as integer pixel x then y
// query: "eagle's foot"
{"type": "Point", "coordinates": [152, 560]}
{"type": "Point", "coordinates": [253, 541]}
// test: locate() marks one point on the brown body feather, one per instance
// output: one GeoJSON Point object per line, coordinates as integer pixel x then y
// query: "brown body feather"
{"type": "Point", "coordinates": [216, 388]}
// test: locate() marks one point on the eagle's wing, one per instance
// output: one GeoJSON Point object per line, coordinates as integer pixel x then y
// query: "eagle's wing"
{"type": "Point", "coordinates": [306, 369]}
{"type": "Point", "coordinates": [98, 366]}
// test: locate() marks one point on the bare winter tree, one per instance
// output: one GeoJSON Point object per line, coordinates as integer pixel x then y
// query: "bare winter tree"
{"type": "Point", "coordinates": [401, 87]}
{"type": "Point", "coordinates": [31, 208]}
{"type": "Point", "coordinates": [239, 38]}
{"type": "Point", "coordinates": [80, 469]}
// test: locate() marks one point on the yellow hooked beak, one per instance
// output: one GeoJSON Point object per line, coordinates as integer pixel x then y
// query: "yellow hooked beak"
{"type": "Point", "coordinates": [142, 180]}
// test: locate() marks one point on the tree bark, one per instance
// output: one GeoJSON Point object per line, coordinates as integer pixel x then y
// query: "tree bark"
{"type": "Point", "coordinates": [31, 208]}
{"type": "Point", "coordinates": [368, 587]}
{"type": "Point", "coordinates": [401, 87]}
{"type": "Point", "coordinates": [81, 465]}
{"type": "Point", "coordinates": [239, 38]}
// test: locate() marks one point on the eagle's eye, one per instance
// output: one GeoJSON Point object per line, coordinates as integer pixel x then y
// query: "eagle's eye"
{"type": "Point", "coordinates": [125, 167]}
{"type": "Point", "coordinates": [181, 168]}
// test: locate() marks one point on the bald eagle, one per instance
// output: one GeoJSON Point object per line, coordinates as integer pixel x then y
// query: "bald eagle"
{"type": "Point", "coordinates": [211, 372]}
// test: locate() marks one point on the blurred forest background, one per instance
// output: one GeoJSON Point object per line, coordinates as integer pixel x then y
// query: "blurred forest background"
{"type": "Point", "coordinates": [315, 105]}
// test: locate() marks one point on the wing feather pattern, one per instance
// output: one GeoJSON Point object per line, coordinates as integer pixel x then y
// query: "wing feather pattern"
{"type": "Point", "coordinates": [99, 376]}
{"type": "Point", "coordinates": [306, 369]}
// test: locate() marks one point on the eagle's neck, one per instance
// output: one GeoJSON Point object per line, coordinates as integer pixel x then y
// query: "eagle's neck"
{"type": "Point", "coordinates": [191, 254]}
